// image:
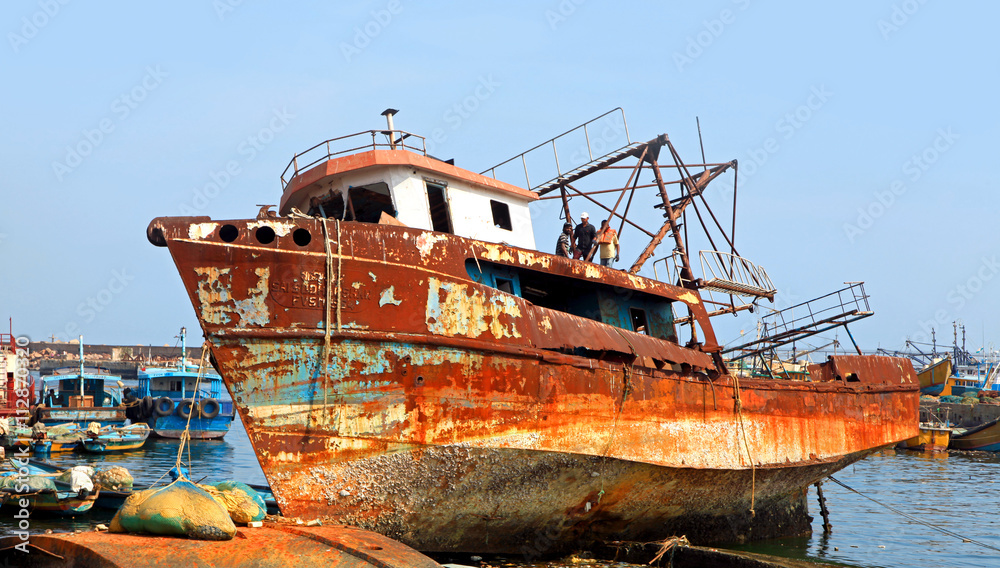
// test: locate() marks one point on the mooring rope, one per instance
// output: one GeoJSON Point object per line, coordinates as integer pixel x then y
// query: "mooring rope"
{"type": "Point", "coordinates": [340, 260]}
{"type": "Point", "coordinates": [329, 301]}
{"type": "Point", "coordinates": [186, 435]}
{"type": "Point", "coordinates": [915, 519]}
{"type": "Point", "coordinates": [746, 444]}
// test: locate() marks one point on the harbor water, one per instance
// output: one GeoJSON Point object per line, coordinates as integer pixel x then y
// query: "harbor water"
{"type": "Point", "coordinates": [956, 492]}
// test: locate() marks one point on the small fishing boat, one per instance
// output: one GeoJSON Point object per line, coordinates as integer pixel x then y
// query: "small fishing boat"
{"type": "Point", "coordinates": [58, 438]}
{"type": "Point", "coordinates": [932, 438]}
{"type": "Point", "coordinates": [59, 502]}
{"type": "Point", "coordinates": [80, 396]}
{"type": "Point", "coordinates": [116, 439]}
{"type": "Point", "coordinates": [985, 437]}
{"type": "Point", "coordinates": [934, 378]}
{"type": "Point", "coordinates": [42, 495]}
{"type": "Point", "coordinates": [934, 434]}
{"type": "Point", "coordinates": [111, 499]}
{"type": "Point", "coordinates": [185, 400]}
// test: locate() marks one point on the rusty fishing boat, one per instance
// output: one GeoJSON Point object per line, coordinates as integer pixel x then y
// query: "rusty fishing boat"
{"type": "Point", "coordinates": [405, 360]}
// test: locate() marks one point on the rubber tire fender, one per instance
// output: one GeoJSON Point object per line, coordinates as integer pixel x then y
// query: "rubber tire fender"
{"type": "Point", "coordinates": [184, 408]}
{"type": "Point", "coordinates": [164, 406]}
{"type": "Point", "coordinates": [146, 406]}
{"type": "Point", "coordinates": [209, 408]}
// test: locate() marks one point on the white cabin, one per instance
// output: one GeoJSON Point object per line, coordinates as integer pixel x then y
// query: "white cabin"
{"type": "Point", "coordinates": [416, 189]}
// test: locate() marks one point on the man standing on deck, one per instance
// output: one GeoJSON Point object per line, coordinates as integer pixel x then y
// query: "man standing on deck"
{"type": "Point", "coordinates": [585, 234]}
{"type": "Point", "coordinates": [562, 245]}
{"type": "Point", "coordinates": [607, 241]}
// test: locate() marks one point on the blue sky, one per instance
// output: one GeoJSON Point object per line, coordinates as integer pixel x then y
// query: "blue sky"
{"type": "Point", "coordinates": [865, 133]}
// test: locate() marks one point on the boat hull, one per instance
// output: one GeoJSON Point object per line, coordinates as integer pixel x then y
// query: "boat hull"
{"type": "Point", "coordinates": [201, 428]}
{"type": "Point", "coordinates": [985, 438]}
{"type": "Point", "coordinates": [54, 502]}
{"type": "Point", "coordinates": [106, 416]}
{"type": "Point", "coordinates": [930, 439]}
{"type": "Point", "coordinates": [111, 446]}
{"type": "Point", "coordinates": [934, 378]}
{"type": "Point", "coordinates": [456, 417]}
{"type": "Point", "coordinates": [562, 448]}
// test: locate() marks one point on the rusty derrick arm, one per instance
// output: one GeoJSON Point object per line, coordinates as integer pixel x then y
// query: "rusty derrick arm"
{"type": "Point", "coordinates": [697, 187]}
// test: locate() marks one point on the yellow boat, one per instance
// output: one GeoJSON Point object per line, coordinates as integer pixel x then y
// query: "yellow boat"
{"type": "Point", "coordinates": [932, 438]}
{"type": "Point", "coordinates": [934, 378]}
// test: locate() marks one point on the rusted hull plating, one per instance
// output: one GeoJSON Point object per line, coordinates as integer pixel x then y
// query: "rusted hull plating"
{"type": "Point", "coordinates": [443, 413]}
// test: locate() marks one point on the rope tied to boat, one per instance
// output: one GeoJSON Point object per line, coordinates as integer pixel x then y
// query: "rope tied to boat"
{"type": "Point", "coordinates": [326, 318]}
{"type": "Point", "coordinates": [746, 443]}
{"type": "Point", "coordinates": [186, 435]}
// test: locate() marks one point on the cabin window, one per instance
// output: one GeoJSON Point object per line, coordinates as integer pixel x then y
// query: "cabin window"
{"type": "Point", "coordinates": [330, 205]}
{"type": "Point", "coordinates": [366, 203]}
{"type": "Point", "coordinates": [438, 204]}
{"type": "Point", "coordinates": [505, 285]}
{"type": "Point", "coordinates": [638, 317]}
{"type": "Point", "coordinates": [501, 215]}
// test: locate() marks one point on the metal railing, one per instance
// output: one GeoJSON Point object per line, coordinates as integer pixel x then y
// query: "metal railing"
{"type": "Point", "coordinates": [815, 316]}
{"type": "Point", "coordinates": [672, 265]}
{"type": "Point", "coordinates": [731, 274]}
{"type": "Point", "coordinates": [392, 142]}
{"type": "Point", "coordinates": [722, 272]}
{"type": "Point", "coordinates": [555, 151]}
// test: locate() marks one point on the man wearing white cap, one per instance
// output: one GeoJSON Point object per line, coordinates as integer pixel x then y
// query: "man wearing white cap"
{"type": "Point", "coordinates": [585, 234]}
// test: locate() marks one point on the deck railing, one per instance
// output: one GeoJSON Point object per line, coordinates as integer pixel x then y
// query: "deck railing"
{"type": "Point", "coordinates": [394, 140]}
{"type": "Point", "coordinates": [560, 171]}
{"type": "Point", "coordinates": [807, 319]}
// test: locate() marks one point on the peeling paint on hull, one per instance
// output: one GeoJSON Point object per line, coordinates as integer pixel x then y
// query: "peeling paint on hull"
{"type": "Point", "coordinates": [482, 433]}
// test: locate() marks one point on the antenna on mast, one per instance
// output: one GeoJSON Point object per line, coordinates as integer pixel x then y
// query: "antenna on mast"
{"type": "Point", "coordinates": [704, 162]}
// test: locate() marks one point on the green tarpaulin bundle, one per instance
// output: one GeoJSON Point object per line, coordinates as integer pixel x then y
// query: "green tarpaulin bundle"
{"type": "Point", "coordinates": [243, 503]}
{"type": "Point", "coordinates": [180, 509]}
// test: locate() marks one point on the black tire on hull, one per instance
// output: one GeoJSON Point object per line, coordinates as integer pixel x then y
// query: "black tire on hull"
{"type": "Point", "coordinates": [209, 408]}
{"type": "Point", "coordinates": [184, 408]}
{"type": "Point", "coordinates": [164, 406]}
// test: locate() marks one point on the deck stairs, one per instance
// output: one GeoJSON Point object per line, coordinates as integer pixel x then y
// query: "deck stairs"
{"type": "Point", "coordinates": [803, 320]}
{"type": "Point", "coordinates": [563, 178]}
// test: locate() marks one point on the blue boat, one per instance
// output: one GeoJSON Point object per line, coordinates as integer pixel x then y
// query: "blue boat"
{"type": "Point", "coordinates": [80, 396]}
{"type": "Point", "coordinates": [176, 398]}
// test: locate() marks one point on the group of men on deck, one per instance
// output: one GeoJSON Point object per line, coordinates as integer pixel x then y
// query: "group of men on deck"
{"type": "Point", "coordinates": [586, 238]}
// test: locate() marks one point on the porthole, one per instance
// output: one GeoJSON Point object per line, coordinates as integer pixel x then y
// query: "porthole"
{"type": "Point", "coordinates": [265, 235]}
{"type": "Point", "coordinates": [229, 233]}
{"type": "Point", "coordinates": [302, 237]}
